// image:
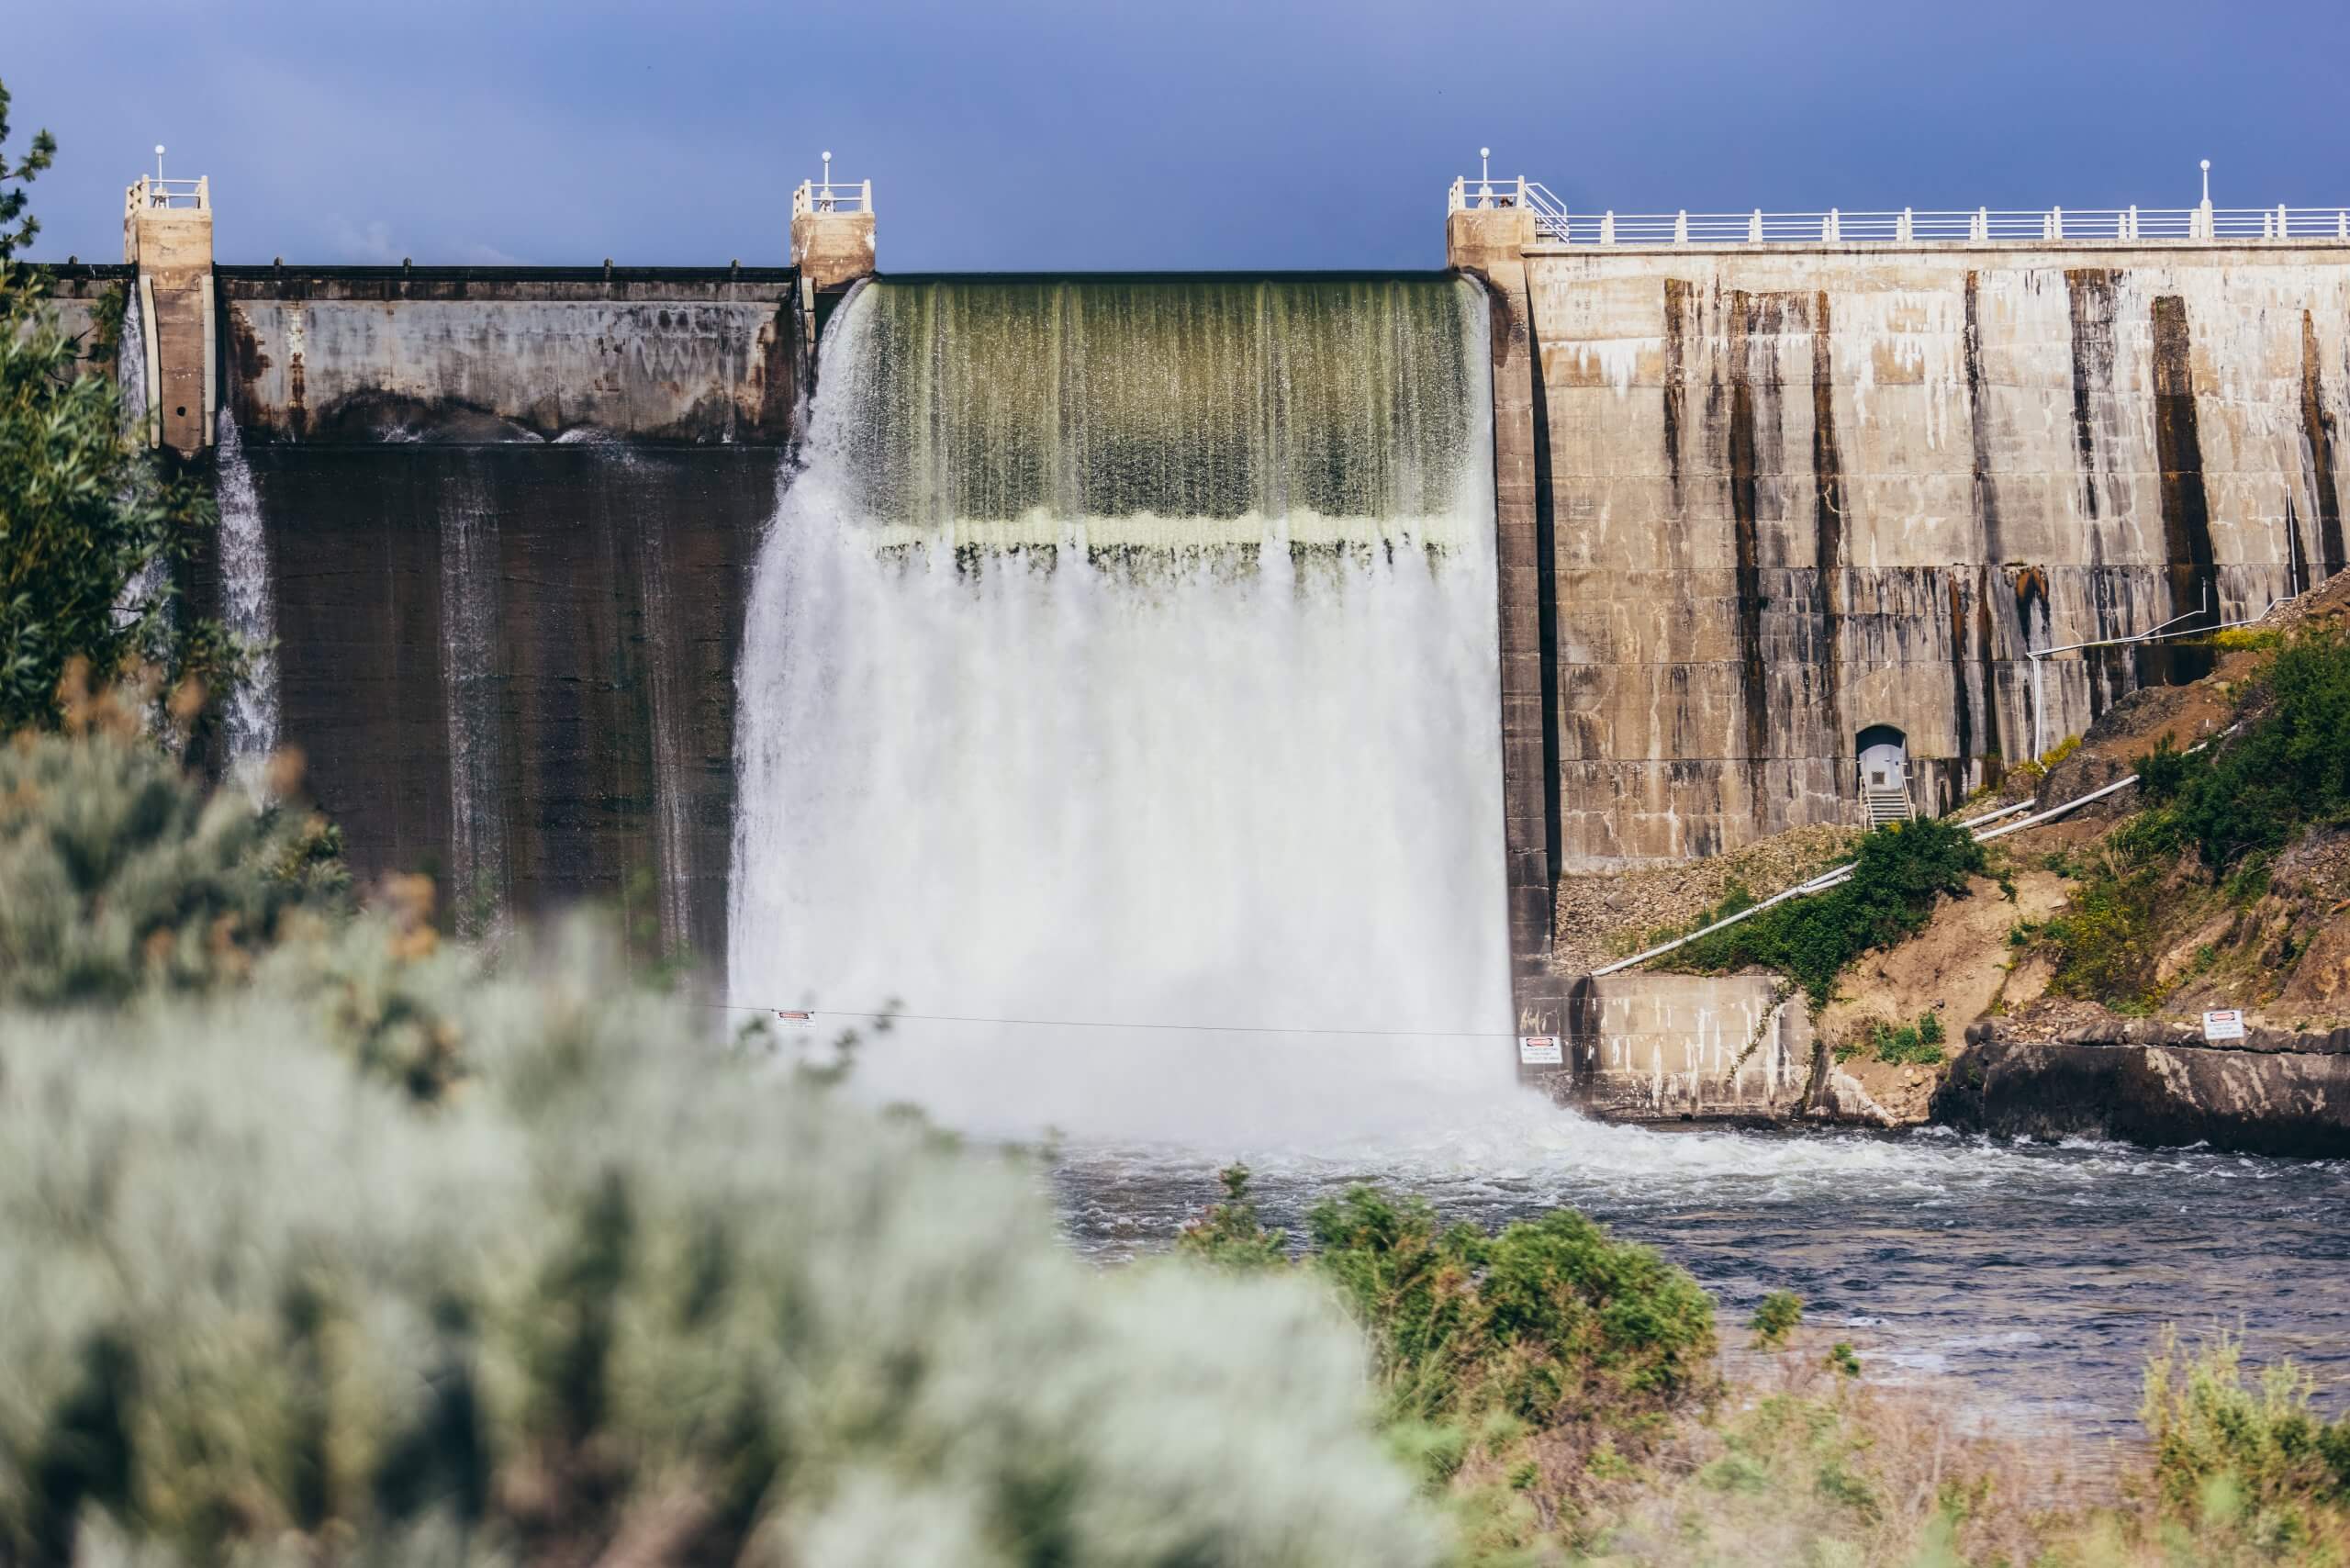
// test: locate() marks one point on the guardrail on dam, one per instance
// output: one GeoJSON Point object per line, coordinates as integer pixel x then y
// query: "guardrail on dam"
{"type": "Point", "coordinates": [1764, 486]}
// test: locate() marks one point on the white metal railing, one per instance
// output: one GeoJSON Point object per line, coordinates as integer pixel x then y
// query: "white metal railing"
{"type": "Point", "coordinates": [1555, 225]}
{"type": "Point", "coordinates": [1551, 220]}
{"type": "Point", "coordinates": [151, 191]}
{"type": "Point", "coordinates": [831, 196]}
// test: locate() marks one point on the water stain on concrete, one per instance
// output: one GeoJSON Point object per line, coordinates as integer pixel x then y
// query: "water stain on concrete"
{"type": "Point", "coordinates": [1745, 497]}
{"type": "Point", "coordinates": [1828, 512]}
{"type": "Point", "coordinates": [2187, 508]}
{"type": "Point", "coordinates": [2090, 291]}
{"type": "Point", "coordinates": [1986, 492]}
{"type": "Point", "coordinates": [2317, 426]}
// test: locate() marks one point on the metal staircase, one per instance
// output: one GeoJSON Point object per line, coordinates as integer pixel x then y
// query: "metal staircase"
{"type": "Point", "coordinates": [1888, 804]}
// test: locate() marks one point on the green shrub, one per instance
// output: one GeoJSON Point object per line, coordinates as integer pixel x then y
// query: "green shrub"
{"type": "Point", "coordinates": [2289, 766]}
{"type": "Point", "coordinates": [385, 1256]}
{"type": "Point", "coordinates": [1777, 1317]}
{"type": "Point", "coordinates": [1909, 1045]}
{"type": "Point", "coordinates": [1550, 1320]}
{"type": "Point", "coordinates": [2165, 770]}
{"type": "Point", "coordinates": [1896, 876]}
{"type": "Point", "coordinates": [2257, 1442]}
{"type": "Point", "coordinates": [119, 872]}
{"type": "Point", "coordinates": [2105, 941]}
{"type": "Point", "coordinates": [627, 1285]}
{"type": "Point", "coordinates": [1229, 1235]}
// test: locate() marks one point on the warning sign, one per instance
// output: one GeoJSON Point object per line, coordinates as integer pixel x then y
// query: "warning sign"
{"type": "Point", "coordinates": [2226, 1024]}
{"type": "Point", "coordinates": [1540, 1050]}
{"type": "Point", "coordinates": [796, 1020]}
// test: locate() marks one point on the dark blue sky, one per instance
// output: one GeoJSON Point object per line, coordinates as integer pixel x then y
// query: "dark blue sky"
{"type": "Point", "coordinates": [1100, 134]}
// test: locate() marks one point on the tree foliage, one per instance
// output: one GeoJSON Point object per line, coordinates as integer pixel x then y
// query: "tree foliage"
{"type": "Point", "coordinates": [91, 527]}
{"type": "Point", "coordinates": [120, 874]}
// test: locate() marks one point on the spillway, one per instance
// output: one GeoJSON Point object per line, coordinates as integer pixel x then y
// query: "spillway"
{"type": "Point", "coordinates": [249, 607]}
{"type": "Point", "coordinates": [1124, 653]}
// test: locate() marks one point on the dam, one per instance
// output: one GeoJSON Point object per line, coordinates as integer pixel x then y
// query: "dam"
{"type": "Point", "coordinates": [1605, 547]}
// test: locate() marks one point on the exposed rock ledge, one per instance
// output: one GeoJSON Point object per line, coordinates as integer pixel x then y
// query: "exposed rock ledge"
{"type": "Point", "coordinates": [2152, 1081]}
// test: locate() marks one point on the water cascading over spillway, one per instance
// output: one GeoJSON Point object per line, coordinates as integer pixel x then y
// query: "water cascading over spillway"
{"type": "Point", "coordinates": [248, 607]}
{"type": "Point", "coordinates": [1124, 654]}
{"type": "Point", "coordinates": [470, 666]}
{"type": "Point", "coordinates": [131, 388]}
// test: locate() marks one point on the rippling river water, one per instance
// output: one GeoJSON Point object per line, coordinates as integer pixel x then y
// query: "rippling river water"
{"type": "Point", "coordinates": [2034, 1277]}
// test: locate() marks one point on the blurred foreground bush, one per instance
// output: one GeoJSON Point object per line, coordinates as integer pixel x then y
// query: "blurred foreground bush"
{"type": "Point", "coordinates": [378, 1256]}
{"type": "Point", "coordinates": [117, 871]}
{"type": "Point", "coordinates": [1525, 1371]}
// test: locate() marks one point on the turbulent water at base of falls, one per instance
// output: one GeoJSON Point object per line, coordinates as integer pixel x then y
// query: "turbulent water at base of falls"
{"type": "Point", "coordinates": [248, 606]}
{"type": "Point", "coordinates": [2022, 1284]}
{"type": "Point", "coordinates": [469, 666]}
{"type": "Point", "coordinates": [1124, 655]}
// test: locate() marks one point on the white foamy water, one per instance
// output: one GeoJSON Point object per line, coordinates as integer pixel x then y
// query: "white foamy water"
{"type": "Point", "coordinates": [470, 681]}
{"type": "Point", "coordinates": [2026, 1282]}
{"type": "Point", "coordinates": [1194, 777]}
{"type": "Point", "coordinates": [130, 386]}
{"type": "Point", "coordinates": [248, 604]}
{"type": "Point", "coordinates": [131, 367]}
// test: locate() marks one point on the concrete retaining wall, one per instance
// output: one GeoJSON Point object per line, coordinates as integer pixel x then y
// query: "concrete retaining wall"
{"type": "Point", "coordinates": [1657, 1048]}
{"type": "Point", "coordinates": [1796, 492]}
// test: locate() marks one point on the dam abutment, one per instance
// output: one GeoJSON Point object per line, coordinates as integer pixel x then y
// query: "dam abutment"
{"type": "Point", "coordinates": [1490, 245]}
{"type": "Point", "coordinates": [1788, 487]}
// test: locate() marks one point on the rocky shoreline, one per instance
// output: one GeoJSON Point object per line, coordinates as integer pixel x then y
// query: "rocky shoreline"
{"type": "Point", "coordinates": [1739, 1050]}
{"type": "Point", "coordinates": [2154, 1081]}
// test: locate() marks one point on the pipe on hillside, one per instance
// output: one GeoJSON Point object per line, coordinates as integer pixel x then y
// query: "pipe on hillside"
{"type": "Point", "coordinates": [1840, 874]}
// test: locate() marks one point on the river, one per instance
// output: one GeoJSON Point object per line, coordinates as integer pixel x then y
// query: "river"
{"type": "Point", "coordinates": [2032, 1278]}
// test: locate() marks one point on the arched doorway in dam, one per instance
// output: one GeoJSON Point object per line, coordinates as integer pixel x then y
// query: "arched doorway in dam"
{"type": "Point", "coordinates": [1884, 765]}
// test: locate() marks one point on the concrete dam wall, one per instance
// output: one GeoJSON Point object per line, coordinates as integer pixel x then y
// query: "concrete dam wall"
{"type": "Point", "coordinates": [1792, 496]}
{"type": "Point", "coordinates": [504, 525]}
{"type": "Point", "coordinates": [509, 521]}
{"type": "Point", "coordinates": [1762, 504]}
{"type": "Point", "coordinates": [1745, 503]}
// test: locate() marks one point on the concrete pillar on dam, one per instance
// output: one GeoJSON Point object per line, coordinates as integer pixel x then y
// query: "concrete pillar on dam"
{"type": "Point", "coordinates": [832, 244]}
{"type": "Point", "coordinates": [1486, 235]}
{"type": "Point", "coordinates": [167, 237]}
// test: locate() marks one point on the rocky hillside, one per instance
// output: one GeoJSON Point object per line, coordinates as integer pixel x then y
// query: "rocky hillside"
{"type": "Point", "coordinates": [2222, 881]}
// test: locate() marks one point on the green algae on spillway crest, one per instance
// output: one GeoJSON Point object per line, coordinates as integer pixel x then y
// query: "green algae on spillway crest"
{"type": "Point", "coordinates": [1160, 411]}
